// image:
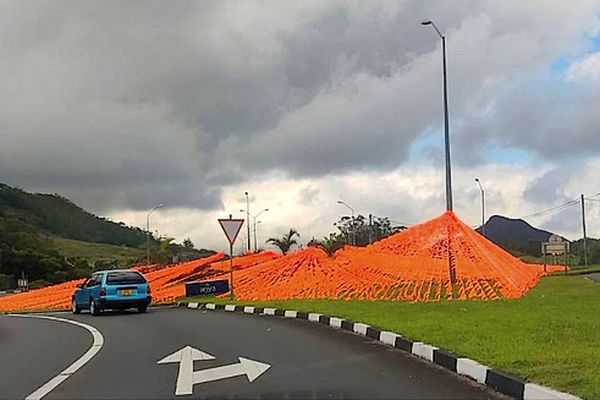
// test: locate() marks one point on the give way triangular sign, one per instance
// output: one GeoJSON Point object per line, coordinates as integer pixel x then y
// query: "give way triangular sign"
{"type": "Point", "coordinates": [231, 227]}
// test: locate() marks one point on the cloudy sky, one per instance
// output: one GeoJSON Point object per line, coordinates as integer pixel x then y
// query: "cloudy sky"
{"type": "Point", "coordinates": [123, 105]}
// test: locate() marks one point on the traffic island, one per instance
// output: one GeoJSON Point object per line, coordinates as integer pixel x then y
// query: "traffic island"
{"type": "Point", "coordinates": [499, 381]}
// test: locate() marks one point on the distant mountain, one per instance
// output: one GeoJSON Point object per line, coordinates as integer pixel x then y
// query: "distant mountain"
{"type": "Point", "coordinates": [515, 235]}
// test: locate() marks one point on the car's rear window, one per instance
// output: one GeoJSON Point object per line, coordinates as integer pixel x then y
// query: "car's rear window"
{"type": "Point", "coordinates": [124, 277]}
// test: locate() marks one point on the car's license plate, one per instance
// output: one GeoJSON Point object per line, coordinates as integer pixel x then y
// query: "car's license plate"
{"type": "Point", "coordinates": [126, 292]}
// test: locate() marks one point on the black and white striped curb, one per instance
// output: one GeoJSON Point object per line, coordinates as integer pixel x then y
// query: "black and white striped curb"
{"type": "Point", "coordinates": [500, 381]}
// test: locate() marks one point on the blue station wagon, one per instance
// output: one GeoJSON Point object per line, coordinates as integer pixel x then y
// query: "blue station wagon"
{"type": "Point", "coordinates": [115, 289]}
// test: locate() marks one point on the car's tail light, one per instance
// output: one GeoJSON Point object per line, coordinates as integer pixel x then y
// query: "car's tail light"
{"type": "Point", "coordinates": [102, 292]}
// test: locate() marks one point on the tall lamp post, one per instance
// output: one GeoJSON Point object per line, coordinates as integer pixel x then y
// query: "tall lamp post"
{"type": "Point", "coordinates": [148, 232]}
{"type": "Point", "coordinates": [446, 123]}
{"type": "Point", "coordinates": [254, 224]}
{"type": "Point", "coordinates": [482, 206]}
{"type": "Point", "coordinates": [248, 215]}
{"type": "Point", "coordinates": [256, 234]}
{"type": "Point", "coordinates": [351, 210]}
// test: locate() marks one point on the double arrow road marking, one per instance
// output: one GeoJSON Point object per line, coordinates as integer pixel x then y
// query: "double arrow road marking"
{"type": "Point", "coordinates": [187, 377]}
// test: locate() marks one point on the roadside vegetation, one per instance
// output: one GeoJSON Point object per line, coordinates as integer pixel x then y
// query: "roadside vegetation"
{"type": "Point", "coordinates": [50, 240]}
{"type": "Point", "coordinates": [550, 336]}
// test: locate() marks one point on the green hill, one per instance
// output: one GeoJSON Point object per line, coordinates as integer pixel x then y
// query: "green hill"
{"type": "Point", "coordinates": [98, 252]}
{"type": "Point", "coordinates": [50, 239]}
{"type": "Point", "coordinates": [57, 215]}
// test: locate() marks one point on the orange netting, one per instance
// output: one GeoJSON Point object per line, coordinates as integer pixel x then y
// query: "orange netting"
{"type": "Point", "coordinates": [439, 259]}
{"type": "Point", "coordinates": [167, 283]}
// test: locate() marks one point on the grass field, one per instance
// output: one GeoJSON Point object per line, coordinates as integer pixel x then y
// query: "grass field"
{"type": "Point", "coordinates": [97, 251]}
{"type": "Point", "coordinates": [551, 336]}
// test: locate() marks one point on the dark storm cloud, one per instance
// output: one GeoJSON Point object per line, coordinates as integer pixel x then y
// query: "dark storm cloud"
{"type": "Point", "coordinates": [549, 188]}
{"type": "Point", "coordinates": [567, 220]}
{"type": "Point", "coordinates": [122, 104]}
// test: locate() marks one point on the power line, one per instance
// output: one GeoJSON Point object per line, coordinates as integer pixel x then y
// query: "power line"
{"type": "Point", "coordinates": [555, 208]}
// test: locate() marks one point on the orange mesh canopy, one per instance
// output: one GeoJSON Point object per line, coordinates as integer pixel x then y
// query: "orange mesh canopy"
{"type": "Point", "coordinates": [308, 273]}
{"type": "Point", "coordinates": [167, 282]}
{"type": "Point", "coordinates": [439, 259]}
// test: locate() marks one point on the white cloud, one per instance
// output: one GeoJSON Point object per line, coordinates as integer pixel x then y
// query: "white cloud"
{"type": "Point", "coordinates": [120, 106]}
{"type": "Point", "coordinates": [586, 68]}
{"type": "Point", "coordinates": [405, 195]}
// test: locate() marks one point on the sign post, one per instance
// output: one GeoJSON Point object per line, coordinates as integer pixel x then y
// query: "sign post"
{"type": "Point", "coordinates": [231, 228]}
{"type": "Point", "coordinates": [556, 246]}
{"type": "Point", "coordinates": [22, 282]}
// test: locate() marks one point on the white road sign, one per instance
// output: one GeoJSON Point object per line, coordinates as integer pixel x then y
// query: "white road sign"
{"type": "Point", "coordinates": [231, 227]}
{"type": "Point", "coordinates": [187, 377]}
{"type": "Point", "coordinates": [555, 246]}
{"type": "Point", "coordinates": [555, 239]}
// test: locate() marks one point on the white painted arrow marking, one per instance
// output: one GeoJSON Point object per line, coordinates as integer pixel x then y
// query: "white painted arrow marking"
{"type": "Point", "coordinates": [185, 357]}
{"type": "Point", "coordinates": [252, 369]}
{"type": "Point", "coordinates": [187, 377]}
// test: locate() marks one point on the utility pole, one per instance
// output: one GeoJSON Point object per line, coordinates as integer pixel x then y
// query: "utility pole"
{"type": "Point", "coordinates": [585, 256]}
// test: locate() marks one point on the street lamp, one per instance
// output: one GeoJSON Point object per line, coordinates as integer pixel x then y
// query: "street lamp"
{"type": "Point", "coordinates": [248, 215]}
{"type": "Point", "coordinates": [256, 235]}
{"type": "Point", "coordinates": [148, 232]}
{"type": "Point", "coordinates": [254, 225]}
{"type": "Point", "coordinates": [482, 206]}
{"type": "Point", "coordinates": [352, 210]}
{"type": "Point", "coordinates": [446, 123]}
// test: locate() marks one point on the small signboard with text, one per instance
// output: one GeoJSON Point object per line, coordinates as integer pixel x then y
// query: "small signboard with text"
{"type": "Point", "coordinates": [555, 246]}
{"type": "Point", "coordinates": [206, 288]}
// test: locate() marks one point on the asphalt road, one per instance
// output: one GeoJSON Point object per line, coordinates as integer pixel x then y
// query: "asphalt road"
{"type": "Point", "coordinates": [594, 276]}
{"type": "Point", "coordinates": [307, 360]}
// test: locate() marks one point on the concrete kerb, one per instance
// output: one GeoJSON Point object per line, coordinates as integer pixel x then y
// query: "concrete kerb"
{"type": "Point", "coordinates": [502, 382]}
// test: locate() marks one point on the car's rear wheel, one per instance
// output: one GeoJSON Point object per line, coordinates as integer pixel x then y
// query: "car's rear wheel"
{"type": "Point", "coordinates": [74, 307]}
{"type": "Point", "coordinates": [94, 309]}
{"type": "Point", "coordinates": [142, 308]}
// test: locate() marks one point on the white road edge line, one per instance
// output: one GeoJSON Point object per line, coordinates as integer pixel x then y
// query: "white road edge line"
{"type": "Point", "coordinates": [98, 342]}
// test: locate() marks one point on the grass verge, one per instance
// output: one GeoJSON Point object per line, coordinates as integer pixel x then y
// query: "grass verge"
{"type": "Point", "coordinates": [550, 336]}
{"type": "Point", "coordinates": [93, 252]}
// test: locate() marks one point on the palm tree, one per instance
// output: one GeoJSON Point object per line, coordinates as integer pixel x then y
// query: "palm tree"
{"type": "Point", "coordinates": [286, 242]}
{"type": "Point", "coordinates": [330, 244]}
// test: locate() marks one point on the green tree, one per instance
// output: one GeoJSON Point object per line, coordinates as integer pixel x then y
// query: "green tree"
{"type": "Point", "coordinates": [188, 244]}
{"type": "Point", "coordinates": [7, 282]}
{"type": "Point", "coordinates": [286, 242]}
{"type": "Point", "coordinates": [330, 244]}
{"type": "Point", "coordinates": [160, 253]}
{"type": "Point", "coordinates": [365, 230]}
